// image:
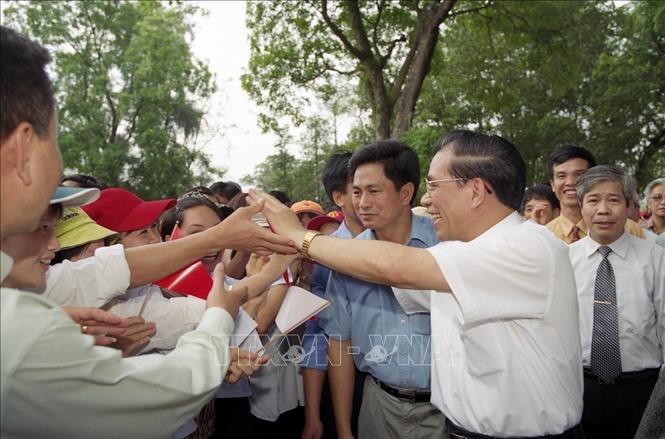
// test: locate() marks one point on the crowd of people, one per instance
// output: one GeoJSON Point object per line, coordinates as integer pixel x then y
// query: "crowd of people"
{"type": "Point", "coordinates": [481, 309]}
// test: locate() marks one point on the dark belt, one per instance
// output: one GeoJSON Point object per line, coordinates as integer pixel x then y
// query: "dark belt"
{"type": "Point", "coordinates": [408, 395]}
{"type": "Point", "coordinates": [625, 377]}
{"type": "Point", "coordinates": [456, 432]}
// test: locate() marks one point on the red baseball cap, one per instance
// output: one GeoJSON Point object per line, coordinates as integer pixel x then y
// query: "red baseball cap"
{"type": "Point", "coordinates": [122, 211]}
{"type": "Point", "coordinates": [316, 222]}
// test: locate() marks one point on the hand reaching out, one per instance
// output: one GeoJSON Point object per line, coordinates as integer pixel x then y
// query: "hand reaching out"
{"type": "Point", "coordinates": [135, 337]}
{"type": "Point", "coordinates": [128, 335]}
{"type": "Point", "coordinates": [243, 364]}
{"type": "Point", "coordinates": [223, 298]}
{"type": "Point", "coordinates": [102, 325]}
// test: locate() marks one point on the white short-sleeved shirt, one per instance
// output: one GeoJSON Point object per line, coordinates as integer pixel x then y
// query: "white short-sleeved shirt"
{"type": "Point", "coordinates": [506, 355]}
{"type": "Point", "coordinates": [639, 272]}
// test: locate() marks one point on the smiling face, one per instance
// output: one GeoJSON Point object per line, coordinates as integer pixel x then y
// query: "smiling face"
{"type": "Point", "coordinates": [139, 237]}
{"type": "Point", "coordinates": [564, 179]}
{"type": "Point", "coordinates": [32, 254]}
{"type": "Point", "coordinates": [446, 201]}
{"type": "Point", "coordinates": [605, 211]}
{"type": "Point", "coordinates": [195, 220]}
{"type": "Point", "coordinates": [376, 200]}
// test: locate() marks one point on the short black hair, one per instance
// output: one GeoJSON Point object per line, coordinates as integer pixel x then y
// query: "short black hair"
{"type": "Point", "coordinates": [226, 189]}
{"type": "Point", "coordinates": [540, 191]}
{"type": "Point", "coordinates": [282, 197]}
{"type": "Point", "coordinates": [400, 162]}
{"type": "Point", "coordinates": [566, 152]}
{"type": "Point", "coordinates": [335, 176]}
{"type": "Point", "coordinates": [85, 181]}
{"type": "Point", "coordinates": [26, 92]}
{"type": "Point", "coordinates": [492, 158]}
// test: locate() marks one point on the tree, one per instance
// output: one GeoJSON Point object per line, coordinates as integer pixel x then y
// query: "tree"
{"type": "Point", "coordinates": [626, 96]}
{"type": "Point", "coordinates": [126, 84]}
{"type": "Point", "coordinates": [547, 73]}
{"type": "Point", "coordinates": [299, 177]}
{"type": "Point", "coordinates": [384, 46]}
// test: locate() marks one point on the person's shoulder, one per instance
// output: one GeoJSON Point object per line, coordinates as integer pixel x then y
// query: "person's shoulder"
{"type": "Point", "coordinates": [555, 223]}
{"type": "Point", "coordinates": [634, 229]}
{"type": "Point", "coordinates": [423, 228]}
{"type": "Point", "coordinates": [535, 239]}
{"type": "Point", "coordinates": [645, 246]}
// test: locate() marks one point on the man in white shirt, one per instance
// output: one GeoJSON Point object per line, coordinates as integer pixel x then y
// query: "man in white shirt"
{"type": "Point", "coordinates": [621, 288]}
{"type": "Point", "coordinates": [53, 380]}
{"type": "Point", "coordinates": [506, 353]}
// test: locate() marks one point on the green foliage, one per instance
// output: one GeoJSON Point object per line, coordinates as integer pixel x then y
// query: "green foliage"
{"type": "Point", "coordinates": [516, 70]}
{"type": "Point", "coordinates": [548, 73]}
{"type": "Point", "coordinates": [626, 95]}
{"type": "Point", "coordinates": [541, 73]}
{"type": "Point", "coordinates": [128, 90]}
{"type": "Point", "coordinates": [299, 177]}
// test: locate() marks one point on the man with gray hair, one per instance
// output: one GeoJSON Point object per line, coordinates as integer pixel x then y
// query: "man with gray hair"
{"type": "Point", "coordinates": [621, 292]}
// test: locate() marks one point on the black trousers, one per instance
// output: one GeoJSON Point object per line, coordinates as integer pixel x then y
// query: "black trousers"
{"type": "Point", "coordinates": [614, 411]}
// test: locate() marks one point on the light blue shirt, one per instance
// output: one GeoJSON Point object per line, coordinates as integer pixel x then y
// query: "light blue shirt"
{"type": "Point", "coordinates": [315, 342]}
{"type": "Point", "coordinates": [387, 343]}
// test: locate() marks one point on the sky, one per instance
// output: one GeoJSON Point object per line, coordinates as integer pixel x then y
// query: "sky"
{"type": "Point", "coordinates": [231, 136]}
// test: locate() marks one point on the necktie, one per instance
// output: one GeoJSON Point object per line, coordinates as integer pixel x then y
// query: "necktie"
{"type": "Point", "coordinates": [574, 234]}
{"type": "Point", "coordinates": [605, 351]}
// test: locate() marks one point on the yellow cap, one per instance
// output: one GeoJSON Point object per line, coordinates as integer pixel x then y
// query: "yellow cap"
{"type": "Point", "coordinates": [76, 228]}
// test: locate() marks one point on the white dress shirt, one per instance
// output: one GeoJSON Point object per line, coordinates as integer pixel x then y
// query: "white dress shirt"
{"type": "Point", "coordinates": [55, 382]}
{"type": "Point", "coordinates": [102, 280]}
{"type": "Point", "coordinates": [173, 317]}
{"type": "Point", "coordinates": [639, 272]}
{"type": "Point", "coordinates": [89, 282]}
{"type": "Point", "coordinates": [506, 355]}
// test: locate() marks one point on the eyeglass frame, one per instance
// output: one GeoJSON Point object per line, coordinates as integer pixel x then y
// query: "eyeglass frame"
{"type": "Point", "coordinates": [657, 198]}
{"type": "Point", "coordinates": [428, 183]}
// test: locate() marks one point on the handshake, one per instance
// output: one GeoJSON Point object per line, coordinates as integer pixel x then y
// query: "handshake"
{"type": "Point", "coordinates": [131, 335]}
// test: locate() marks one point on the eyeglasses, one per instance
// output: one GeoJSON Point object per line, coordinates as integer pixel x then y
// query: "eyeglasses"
{"type": "Point", "coordinates": [431, 185]}
{"type": "Point", "coordinates": [656, 198]}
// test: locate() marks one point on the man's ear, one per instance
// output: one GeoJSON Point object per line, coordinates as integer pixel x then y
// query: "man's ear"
{"type": "Point", "coordinates": [406, 192]}
{"type": "Point", "coordinates": [479, 192]}
{"type": "Point", "coordinates": [16, 151]}
{"type": "Point", "coordinates": [337, 197]}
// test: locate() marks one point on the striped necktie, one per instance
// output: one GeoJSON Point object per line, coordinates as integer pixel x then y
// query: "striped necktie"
{"type": "Point", "coordinates": [605, 351]}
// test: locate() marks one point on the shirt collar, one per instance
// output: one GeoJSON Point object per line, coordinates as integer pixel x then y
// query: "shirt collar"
{"type": "Point", "coordinates": [512, 219]}
{"type": "Point", "coordinates": [421, 229]}
{"type": "Point", "coordinates": [620, 246]}
{"type": "Point", "coordinates": [6, 263]}
{"type": "Point", "coordinates": [567, 225]}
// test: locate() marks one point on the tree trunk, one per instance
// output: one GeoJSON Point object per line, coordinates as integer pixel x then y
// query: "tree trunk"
{"type": "Point", "coordinates": [426, 36]}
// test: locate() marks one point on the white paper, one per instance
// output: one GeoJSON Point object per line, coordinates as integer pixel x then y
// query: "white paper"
{"type": "Point", "coordinates": [298, 306]}
{"type": "Point", "coordinates": [413, 301]}
{"type": "Point", "coordinates": [244, 325]}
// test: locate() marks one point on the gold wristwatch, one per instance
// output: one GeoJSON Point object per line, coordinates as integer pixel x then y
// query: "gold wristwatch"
{"type": "Point", "coordinates": [307, 241]}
